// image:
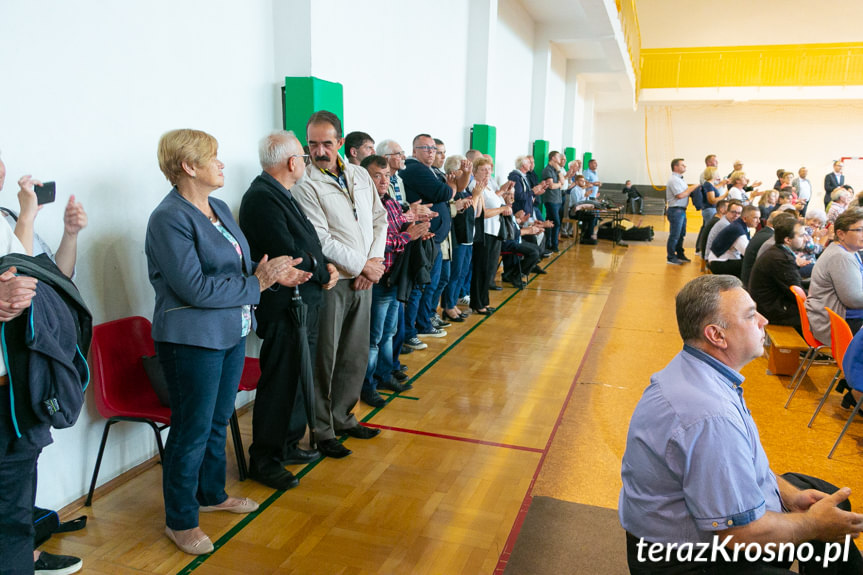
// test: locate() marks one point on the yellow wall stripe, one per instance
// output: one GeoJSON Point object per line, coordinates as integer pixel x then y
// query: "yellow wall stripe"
{"type": "Point", "coordinates": [783, 65]}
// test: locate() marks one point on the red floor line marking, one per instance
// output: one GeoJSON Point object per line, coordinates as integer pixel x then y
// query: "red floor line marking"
{"type": "Point", "coordinates": [456, 438]}
{"type": "Point", "coordinates": [528, 497]}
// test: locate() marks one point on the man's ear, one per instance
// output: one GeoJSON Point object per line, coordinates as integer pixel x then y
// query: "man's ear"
{"type": "Point", "coordinates": [715, 336]}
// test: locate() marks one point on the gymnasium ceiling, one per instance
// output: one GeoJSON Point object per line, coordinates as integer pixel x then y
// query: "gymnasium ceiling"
{"type": "Point", "coordinates": [584, 32]}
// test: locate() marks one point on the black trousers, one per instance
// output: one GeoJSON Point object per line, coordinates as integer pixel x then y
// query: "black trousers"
{"type": "Point", "coordinates": [18, 458]}
{"type": "Point", "coordinates": [514, 265]}
{"type": "Point", "coordinates": [853, 566]}
{"type": "Point", "coordinates": [728, 267]}
{"type": "Point", "coordinates": [279, 417]}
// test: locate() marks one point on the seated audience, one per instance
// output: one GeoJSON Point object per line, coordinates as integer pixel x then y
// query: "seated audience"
{"type": "Point", "coordinates": [522, 256]}
{"type": "Point", "coordinates": [583, 210]}
{"type": "Point", "coordinates": [840, 200]}
{"type": "Point", "coordinates": [776, 271]}
{"type": "Point", "coordinates": [837, 278]}
{"type": "Point", "coordinates": [768, 204]}
{"type": "Point", "coordinates": [634, 199]}
{"type": "Point", "coordinates": [755, 244]}
{"type": "Point", "coordinates": [732, 213]}
{"type": "Point", "coordinates": [727, 249]}
{"type": "Point", "coordinates": [694, 467]}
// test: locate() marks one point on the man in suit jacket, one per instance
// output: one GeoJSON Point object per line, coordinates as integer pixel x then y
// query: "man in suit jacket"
{"type": "Point", "coordinates": [751, 253]}
{"type": "Point", "coordinates": [832, 181]}
{"type": "Point", "coordinates": [776, 271]}
{"type": "Point", "coordinates": [274, 224]}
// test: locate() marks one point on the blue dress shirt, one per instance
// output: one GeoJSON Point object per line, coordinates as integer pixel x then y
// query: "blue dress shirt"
{"type": "Point", "coordinates": [694, 463]}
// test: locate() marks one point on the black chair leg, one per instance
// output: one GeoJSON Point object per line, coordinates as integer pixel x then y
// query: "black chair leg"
{"type": "Point", "coordinates": [238, 446]}
{"type": "Point", "coordinates": [158, 431]}
{"type": "Point", "coordinates": [108, 425]}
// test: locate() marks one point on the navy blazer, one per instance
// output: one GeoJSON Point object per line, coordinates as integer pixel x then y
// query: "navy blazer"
{"type": "Point", "coordinates": [199, 280]}
{"type": "Point", "coordinates": [421, 183]}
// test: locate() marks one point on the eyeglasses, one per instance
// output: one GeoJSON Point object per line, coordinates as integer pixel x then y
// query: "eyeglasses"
{"type": "Point", "coordinates": [305, 157]}
{"type": "Point", "coordinates": [854, 230]}
{"type": "Point", "coordinates": [427, 148]}
{"type": "Point", "coordinates": [400, 154]}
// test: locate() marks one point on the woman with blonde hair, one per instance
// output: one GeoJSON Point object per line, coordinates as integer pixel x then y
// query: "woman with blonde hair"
{"type": "Point", "coordinates": [206, 284]}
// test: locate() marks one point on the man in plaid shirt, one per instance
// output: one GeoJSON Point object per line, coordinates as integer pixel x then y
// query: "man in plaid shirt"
{"type": "Point", "coordinates": [401, 229]}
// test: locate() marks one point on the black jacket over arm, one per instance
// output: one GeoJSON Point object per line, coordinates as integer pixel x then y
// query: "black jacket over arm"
{"type": "Point", "coordinates": [276, 226]}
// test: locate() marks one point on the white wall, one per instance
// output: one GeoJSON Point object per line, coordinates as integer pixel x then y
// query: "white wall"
{"type": "Point", "coordinates": [510, 98]}
{"type": "Point", "coordinates": [88, 88]}
{"type": "Point", "coordinates": [402, 65]}
{"type": "Point", "coordinates": [555, 96]}
{"type": "Point", "coordinates": [765, 136]}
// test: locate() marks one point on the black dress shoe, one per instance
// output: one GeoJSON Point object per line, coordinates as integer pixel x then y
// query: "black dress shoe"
{"type": "Point", "coordinates": [456, 319]}
{"type": "Point", "coordinates": [538, 270]}
{"type": "Point", "coordinates": [333, 448]}
{"type": "Point", "coordinates": [405, 350]}
{"type": "Point", "coordinates": [842, 386]}
{"type": "Point", "coordinates": [359, 431]}
{"type": "Point", "coordinates": [393, 386]}
{"type": "Point", "coordinates": [495, 287]}
{"type": "Point", "coordinates": [271, 474]}
{"type": "Point", "coordinates": [400, 376]}
{"type": "Point", "coordinates": [464, 315]}
{"type": "Point", "coordinates": [482, 312]}
{"type": "Point", "coordinates": [297, 456]}
{"type": "Point", "coordinates": [372, 398]}
{"type": "Point", "coordinates": [403, 368]}
{"type": "Point", "coordinates": [489, 308]}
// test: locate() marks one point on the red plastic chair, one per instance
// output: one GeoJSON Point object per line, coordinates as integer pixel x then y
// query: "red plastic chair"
{"type": "Point", "coordinates": [120, 385]}
{"type": "Point", "coordinates": [123, 391]}
{"type": "Point", "coordinates": [840, 337]}
{"type": "Point", "coordinates": [815, 346]}
{"type": "Point", "coordinates": [248, 382]}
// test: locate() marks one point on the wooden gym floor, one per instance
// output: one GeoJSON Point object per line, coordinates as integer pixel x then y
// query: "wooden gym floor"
{"type": "Point", "coordinates": [534, 400]}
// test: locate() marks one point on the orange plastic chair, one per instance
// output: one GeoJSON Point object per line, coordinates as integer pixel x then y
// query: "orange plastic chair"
{"type": "Point", "coordinates": [815, 346]}
{"type": "Point", "coordinates": [840, 337]}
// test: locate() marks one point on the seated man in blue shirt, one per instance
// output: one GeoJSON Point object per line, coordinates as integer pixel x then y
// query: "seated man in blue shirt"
{"type": "Point", "coordinates": [694, 471]}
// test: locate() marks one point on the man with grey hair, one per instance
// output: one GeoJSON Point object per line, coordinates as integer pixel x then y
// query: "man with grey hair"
{"type": "Point", "coordinates": [274, 224]}
{"type": "Point", "coordinates": [392, 151]}
{"type": "Point", "coordinates": [694, 471]}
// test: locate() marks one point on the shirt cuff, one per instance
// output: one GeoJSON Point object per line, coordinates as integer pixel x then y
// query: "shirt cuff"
{"type": "Point", "coordinates": [729, 521]}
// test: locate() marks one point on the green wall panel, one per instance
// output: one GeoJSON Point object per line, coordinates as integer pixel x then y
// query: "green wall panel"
{"type": "Point", "coordinates": [484, 138]}
{"type": "Point", "coordinates": [540, 155]}
{"type": "Point", "coordinates": [570, 154]}
{"type": "Point", "coordinates": [306, 95]}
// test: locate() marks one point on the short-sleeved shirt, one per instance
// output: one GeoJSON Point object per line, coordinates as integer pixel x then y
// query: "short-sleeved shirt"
{"type": "Point", "coordinates": [694, 463]}
{"type": "Point", "coordinates": [676, 184]}
{"type": "Point", "coordinates": [590, 176]}
{"type": "Point", "coordinates": [551, 196]}
{"type": "Point", "coordinates": [492, 201]}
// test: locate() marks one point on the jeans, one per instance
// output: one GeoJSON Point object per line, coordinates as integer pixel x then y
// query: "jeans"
{"type": "Point", "coordinates": [459, 265]}
{"type": "Point", "coordinates": [419, 309]}
{"type": "Point", "coordinates": [636, 205]}
{"type": "Point", "coordinates": [203, 386]}
{"type": "Point", "coordinates": [552, 212]}
{"type": "Point", "coordinates": [382, 328]}
{"type": "Point", "coordinates": [399, 337]}
{"type": "Point", "coordinates": [443, 282]}
{"type": "Point", "coordinates": [676, 232]}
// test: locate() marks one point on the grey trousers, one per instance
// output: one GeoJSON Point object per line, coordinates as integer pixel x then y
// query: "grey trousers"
{"type": "Point", "coordinates": [342, 357]}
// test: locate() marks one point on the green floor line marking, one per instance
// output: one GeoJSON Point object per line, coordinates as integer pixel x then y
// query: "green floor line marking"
{"type": "Point", "coordinates": [400, 396]}
{"type": "Point", "coordinates": [567, 291]}
{"type": "Point", "coordinates": [224, 539]}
